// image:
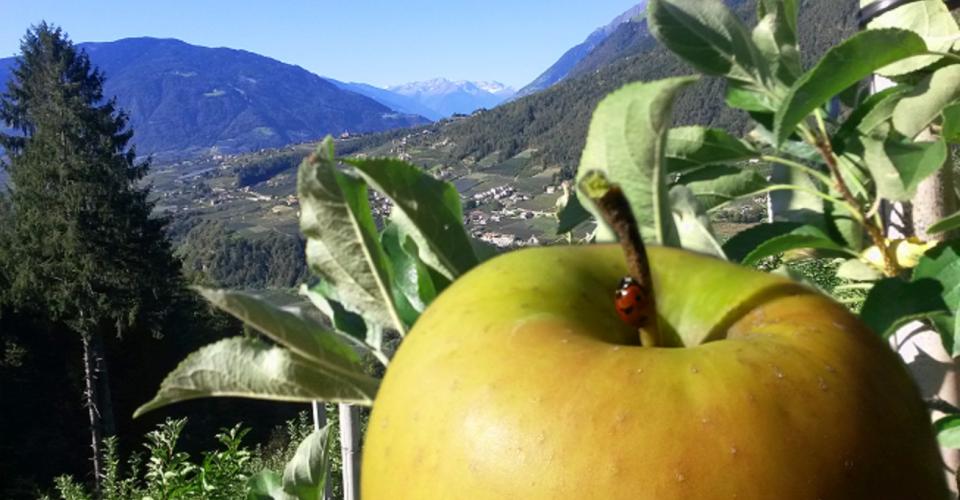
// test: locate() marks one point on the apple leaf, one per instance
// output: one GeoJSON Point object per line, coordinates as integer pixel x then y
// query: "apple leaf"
{"type": "Point", "coordinates": [918, 109]}
{"type": "Point", "coordinates": [267, 485]}
{"type": "Point", "coordinates": [898, 166]}
{"type": "Point", "coordinates": [692, 147]}
{"type": "Point", "coordinates": [951, 124]}
{"type": "Point", "coordinates": [570, 212]}
{"type": "Point", "coordinates": [414, 285]}
{"type": "Point", "coordinates": [693, 223]}
{"type": "Point", "coordinates": [765, 240]}
{"type": "Point", "coordinates": [290, 327]}
{"type": "Point", "coordinates": [710, 37]}
{"type": "Point", "coordinates": [942, 263]}
{"type": "Point", "coordinates": [342, 242]}
{"type": "Point", "coordinates": [842, 66]}
{"type": "Point", "coordinates": [948, 431]}
{"type": "Point", "coordinates": [873, 111]}
{"type": "Point", "coordinates": [252, 368]}
{"type": "Point", "coordinates": [626, 143]}
{"type": "Point", "coordinates": [857, 270]}
{"type": "Point", "coordinates": [930, 19]}
{"type": "Point", "coordinates": [367, 333]}
{"type": "Point", "coordinates": [893, 302]}
{"type": "Point", "coordinates": [427, 208]}
{"type": "Point", "coordinates": [948, 223]}
{"type": "Point", "coordinates": [306, 474]}
{"type": "Point", "coordinates": [715, 185]}
{"type": "Point", "coordinates": [775, 36]}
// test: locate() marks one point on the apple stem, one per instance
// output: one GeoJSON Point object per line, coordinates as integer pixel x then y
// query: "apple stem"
{"type": "Point", "coordinates": [616, 212]}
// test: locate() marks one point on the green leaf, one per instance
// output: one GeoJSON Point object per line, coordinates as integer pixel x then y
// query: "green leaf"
{"type": "Point", "coordinates": [873, 111]}
{"type": "Point", "coordinates": [429, 209]}
{"type": "Point", "coordinates": [570, 213]}
{"type": "Point", "coordinates": [786, 12]}
{"type": "Point", "coordinates": [747, 98]}
{"type": "Point", "coordinates": [715, 185]}
{"type": "Point", "coordinates": [289, 327]}
{"type": "Point", "coordinates": [918, 109]}
{"type": "Point", "coordinates": [306, 474]}
{"type": "Point", "coordinates": [948, 431]}
{"type": "Point", "coordinates": [857, 270]}
{"type": "Point", "coordinates": [691, 147]}
{"type": "Point", "coordinates": [251, 368]}
{"type": "Point", "coordinates": [322, 296]}
{"type": "Point", "coordinates": [951, 124]}
{"type": "Point", "coordinates": [893, 302]}
{"type": "Point", "coordinates": [693, 223]}
{"type": "Point", "coordinates": [750, 246]}
{"type": "Point", "coordinates": [775, 36]}
{"type": "Point", "coordinates": [413, 281]}
{"type": "Point", "coordinates": [930, 19]}
{"type": "Point", "coordinates": [710, 37]}
{"type": "Point", "coordinates": [942, 264]}
{"type": "Point", "coordinates": [898, 166]}
{"type": "Point", "coordinates": [342, 241]}
{"type": "Point", "coordinates": [843, 66]}
{"type": "Point", "coordinates": [267, 485]}
{"type": "Point", "coordinates": [948, 223]}
{"type": "Point", "coordinates": [626, 142]}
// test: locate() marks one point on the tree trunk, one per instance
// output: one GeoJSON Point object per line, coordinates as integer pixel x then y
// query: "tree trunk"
{"type": "Point", "coordinates": [349, 441]}
{"type": "Point", "coordinates": [93, 410]}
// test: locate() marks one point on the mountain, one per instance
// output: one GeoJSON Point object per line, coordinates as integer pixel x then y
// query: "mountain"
{"type": "Point", "coordinates": [561, 69]}
{"type": "Point", "coordinates": [184, 98]}
{"type": "Point", "coordinates": [393, 100]}
{"type": "Point", "coordinates": [446, 98]}
{"type": "Point", "coordinates": [549, 128]}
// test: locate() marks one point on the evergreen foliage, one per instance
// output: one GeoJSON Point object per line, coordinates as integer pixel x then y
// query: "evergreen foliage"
{"type": "Point", "coordinates": [85, 247]}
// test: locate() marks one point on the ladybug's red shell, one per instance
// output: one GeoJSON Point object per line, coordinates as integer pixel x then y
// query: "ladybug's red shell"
{"type": "Point", "coordinates": [628, 301]}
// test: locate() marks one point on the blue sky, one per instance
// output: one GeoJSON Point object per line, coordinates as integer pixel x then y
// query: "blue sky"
{"type": "Point", "coordinates": [380, 42]}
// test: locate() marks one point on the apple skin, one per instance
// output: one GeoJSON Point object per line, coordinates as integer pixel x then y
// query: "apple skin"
{"type": "Point", "coordinates": [520, 381]}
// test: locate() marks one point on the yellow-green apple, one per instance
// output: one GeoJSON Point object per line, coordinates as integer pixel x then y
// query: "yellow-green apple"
{"type": "Point", "coordinates": [521, 381]}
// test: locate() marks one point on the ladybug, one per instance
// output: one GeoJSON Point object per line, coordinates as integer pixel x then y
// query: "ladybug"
{"type": "Point", "coordinates": [629, 299]}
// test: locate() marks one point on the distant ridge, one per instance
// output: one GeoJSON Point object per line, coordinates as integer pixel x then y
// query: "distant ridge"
{"type": "Point", "coordinates": [185, 99]}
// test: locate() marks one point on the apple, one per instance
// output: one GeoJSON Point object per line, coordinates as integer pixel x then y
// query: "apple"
{"type": "Point", "coordinates": [520, 381]}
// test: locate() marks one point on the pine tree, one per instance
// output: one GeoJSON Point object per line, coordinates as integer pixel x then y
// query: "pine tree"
{"type": "Point", "coordinates": [82, 248]}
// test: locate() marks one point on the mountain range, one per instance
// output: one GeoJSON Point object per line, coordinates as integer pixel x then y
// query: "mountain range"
{"type": "Point", "coordinates": [184, 99]}
{"type": "Point", "coordinates": [569, 60]}
{"type": "Point", "coordinates": [437, 98]}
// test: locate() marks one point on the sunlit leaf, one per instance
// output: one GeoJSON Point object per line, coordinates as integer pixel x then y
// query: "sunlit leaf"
{"type": "Point", "coordinates": [306, 474]}
{"type": "Point", "coordinates": [948, 431]}
{"type": "Point", "coordinates": [427, 208]}
{"type": "Point", "coordinates": [691, 147]}
{"type": "Point", "coordinates": [842, 66]}
{"type": "Point", "coordinates": [251, 368]}
{"type": "Point", "coordinates": [693, 223]}
{"type": "Point", "coordinates": [898, 166]}
{"type": "Point", "coordinates": [267, 485]}
{"type": "Point", "coordinates": [709, 36]}
{"type": "Point", "coordinates": [342, 240]}
{"type": "Point", "coordinates": [715, 185]}
{"type": "Point", "coordinates": [918, 109]}
{"type": "Point", "coordinates": [626, 142]}
{"type": "Point", "coordinates": [570, 212]}
{"type": "Point", "coordinates": [930, 19]}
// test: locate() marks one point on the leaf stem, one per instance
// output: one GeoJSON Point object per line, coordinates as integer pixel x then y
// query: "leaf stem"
{"type": "Point", "coordinates": [615, 210]}
{"type": "Point", "coordinates": [890, 266]}
{"type": "Point", "coordinates": [822, 177]}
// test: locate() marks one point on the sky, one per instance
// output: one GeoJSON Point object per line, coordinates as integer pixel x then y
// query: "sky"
{"type": "Point", "coordinates": [379, 42]}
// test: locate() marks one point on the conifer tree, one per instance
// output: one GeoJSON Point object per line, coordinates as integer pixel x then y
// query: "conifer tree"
{"type": "Point", "coordinates": [83, 248]}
